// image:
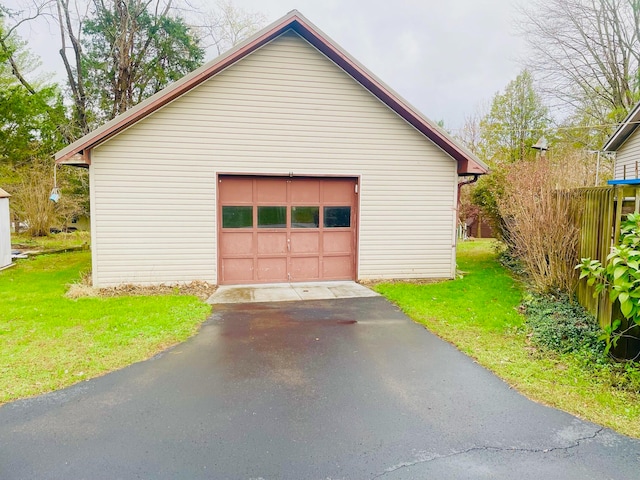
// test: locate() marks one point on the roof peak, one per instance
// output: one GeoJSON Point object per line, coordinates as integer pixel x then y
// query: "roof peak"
{"type": "Point", "coordinates": [468, 164]}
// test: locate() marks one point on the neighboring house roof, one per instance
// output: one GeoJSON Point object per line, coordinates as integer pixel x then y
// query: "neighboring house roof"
{"type": "Point", "coordinates": [468, 164]}
{"type": "Point", "coordinates": [4, 194]}
{"type": "Point", "coordinates": [624, 131]}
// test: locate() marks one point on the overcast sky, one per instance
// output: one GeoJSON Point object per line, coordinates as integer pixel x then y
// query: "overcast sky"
{"type": "Point", "coordinates": [445, 57]}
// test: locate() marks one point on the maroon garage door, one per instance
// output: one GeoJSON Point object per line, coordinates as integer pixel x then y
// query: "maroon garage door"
{"type": "Point", "coordinates": [281, 229]}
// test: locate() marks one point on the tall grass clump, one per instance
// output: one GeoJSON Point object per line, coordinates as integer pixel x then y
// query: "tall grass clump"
{"type": "Point", "coordinates": [30, 201]}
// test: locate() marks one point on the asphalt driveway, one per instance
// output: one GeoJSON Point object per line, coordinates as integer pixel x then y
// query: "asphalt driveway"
{"type": "Point", "coordinates": [331, 389]}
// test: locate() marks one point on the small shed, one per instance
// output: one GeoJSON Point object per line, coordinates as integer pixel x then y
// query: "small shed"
{"type": "Point", "coordinates": [5, 230]}
{"type": "Point", "coordinates": [283, 160]}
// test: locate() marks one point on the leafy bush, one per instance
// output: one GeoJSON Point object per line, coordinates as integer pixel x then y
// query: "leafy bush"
{"type": "Point", "coordinates": [620, 277]}
{"type": "Point", "coordinates": [563, 326]}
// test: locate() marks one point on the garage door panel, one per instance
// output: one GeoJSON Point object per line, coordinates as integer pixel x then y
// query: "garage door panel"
{"type": "Point", "coordinates": [304, 268]}
{"type": "Point", "coordinates": [237, 270]}
{"type": "Point", "coordinates": [272, 269]}
{"type": "Point", "coordinates": [305, 242]}
{"type": "Point", "coordinates": [271, 191]}
{"type": "Point", "coordinates": [236, 191]}
{"type": "Point", "coordinates": [270, 243]}
{"type": "Point", "coordinates": [305, 192]}
{"type": "Point", "coordinates": [337, 242]}
{"type": "Point", "coordinates": [236, 243]}
{"type": "Point", "coordinates": [338, 192]}
{"type": "Point", "coordinates": [337, 268]}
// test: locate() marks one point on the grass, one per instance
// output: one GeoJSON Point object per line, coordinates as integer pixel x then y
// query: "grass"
{"type": "Point", "coordinates": [479, 314]}
{"type": "Point", "coordinates": [55, 241]}
{"type": "Point", "coordinates": [50, 342]}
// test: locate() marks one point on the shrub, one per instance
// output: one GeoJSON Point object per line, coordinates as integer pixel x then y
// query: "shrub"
{"type": "Point", "coordinates": [563, 326]}
{"type": "Point", "coordinates": [542, 224]}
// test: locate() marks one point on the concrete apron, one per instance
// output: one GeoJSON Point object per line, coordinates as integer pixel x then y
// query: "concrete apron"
{"type": "Point", "coordinates": [289, 292]}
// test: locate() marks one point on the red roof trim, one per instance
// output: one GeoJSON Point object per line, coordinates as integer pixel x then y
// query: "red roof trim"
{"type": "Point", "coordinates": [624, 130]}
{"type": "Point", "coordinates": [467, 163]}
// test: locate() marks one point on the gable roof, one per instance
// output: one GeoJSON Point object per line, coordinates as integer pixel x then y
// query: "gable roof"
{"type": "Point", "coordinates": [624, 130]}
{"type": "Point", "coordinates": [468, 164]}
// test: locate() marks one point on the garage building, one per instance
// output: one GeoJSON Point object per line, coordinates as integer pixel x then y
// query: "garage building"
{"type": "Point", "coordinates": [283, 160]}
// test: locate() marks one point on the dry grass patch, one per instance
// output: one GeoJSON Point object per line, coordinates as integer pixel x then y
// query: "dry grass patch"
{"type": "Point", "coordinates": [200, 289]}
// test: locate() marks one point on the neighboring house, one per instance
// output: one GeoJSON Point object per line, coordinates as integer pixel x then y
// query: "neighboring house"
{"type": "Point", "coordinates": [625, 141]}
{"type": "Point", "coordinates": [282, 160]}
{"type": "Point", "coordinates": [478, 227]}
{"type": "Point", "coordinates": [81, 223]}
{"type": "Point", "coordinates": [5, 230]}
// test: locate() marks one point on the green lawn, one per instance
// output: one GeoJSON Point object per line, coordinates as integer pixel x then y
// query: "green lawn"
{"type": "Point", "coordinates": [479, 314]}
{"type": "Point", "coordinates": [49, 341]}
{"type": "Point", "coordinates": [55, 241]}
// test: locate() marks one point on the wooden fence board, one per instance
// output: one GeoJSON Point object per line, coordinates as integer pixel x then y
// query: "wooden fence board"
{"type": "Point", "coordinates": [604, 208]}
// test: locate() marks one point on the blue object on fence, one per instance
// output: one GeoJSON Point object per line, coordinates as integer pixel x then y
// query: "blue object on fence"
{"type": "Point", "coordinates": [628, 181]}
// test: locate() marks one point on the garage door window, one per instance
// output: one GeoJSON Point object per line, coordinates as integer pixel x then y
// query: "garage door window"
{"type": "Point", "coordinates": [272, 217]}
{"type": "Point", "coordinates": [335, 217]}
{"type": "Point", "coordinates": [305, 217]}
{"type": "Point", "coordinates": [237, 217]}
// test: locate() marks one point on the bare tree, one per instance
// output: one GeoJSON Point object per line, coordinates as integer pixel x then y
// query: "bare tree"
{"type": "Point", "coordinates": [9, 48]}
{"type": "Point", "coordinates": [471, 134]}
{"type": "Point", "coordinates": [71, 17]}
{"type": "Point", "coordinates": [586, 53]}
{"type": "Point", "coordinates": [226, 25]}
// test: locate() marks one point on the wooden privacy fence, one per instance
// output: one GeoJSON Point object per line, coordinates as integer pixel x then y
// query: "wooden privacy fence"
{"type": "Point", "coordinates": [603, 210]}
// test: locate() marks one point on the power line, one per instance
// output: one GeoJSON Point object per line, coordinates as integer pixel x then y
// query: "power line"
{"type": "Point", "coordinates": [612, 126]}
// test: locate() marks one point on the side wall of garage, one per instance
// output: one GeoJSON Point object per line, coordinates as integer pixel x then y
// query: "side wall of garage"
{"type": "Point", "coordinates": [283, 110]}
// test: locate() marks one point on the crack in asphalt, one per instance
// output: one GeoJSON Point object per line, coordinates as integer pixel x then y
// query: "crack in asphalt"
{"type": "Point", "coordinates": [576, 443]}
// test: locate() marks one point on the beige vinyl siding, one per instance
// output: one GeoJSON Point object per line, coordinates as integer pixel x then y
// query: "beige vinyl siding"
{"type": "Point", "coordinates": [628, 154]}
{"type": "Point", "coordinates": [283, 109]}
{"type": "Point", "coordinates": [5, 231]}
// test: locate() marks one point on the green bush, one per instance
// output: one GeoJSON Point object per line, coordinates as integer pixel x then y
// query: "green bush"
{"type": "Point", "coordinates": [563, 326]}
